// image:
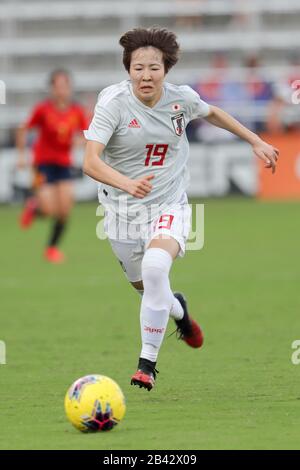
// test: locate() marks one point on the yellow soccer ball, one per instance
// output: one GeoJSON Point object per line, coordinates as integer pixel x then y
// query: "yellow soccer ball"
{"type": "Point", "coordinates": [95, 403]}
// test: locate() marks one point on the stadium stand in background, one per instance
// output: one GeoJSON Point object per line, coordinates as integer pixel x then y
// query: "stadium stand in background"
{"type": "Point", "coordinates": [239, 54]}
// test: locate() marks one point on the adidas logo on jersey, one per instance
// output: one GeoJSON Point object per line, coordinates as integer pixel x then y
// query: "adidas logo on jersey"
{"type": "Point", "coordinates": [134, 124]}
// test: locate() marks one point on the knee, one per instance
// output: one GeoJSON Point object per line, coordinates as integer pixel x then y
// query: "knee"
{"type": "Point", "coordinates": [63, 210]}
{"type": "Point", "coordinates": [152, 271]}
{"type": "Point", "coordinates": [47, 210]}
{"type": "Point", "coordinates": [62, 217]}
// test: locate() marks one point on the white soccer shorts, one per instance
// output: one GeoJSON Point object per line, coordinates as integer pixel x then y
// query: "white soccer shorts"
{"type": "Point", "coordinates": [174, 221]}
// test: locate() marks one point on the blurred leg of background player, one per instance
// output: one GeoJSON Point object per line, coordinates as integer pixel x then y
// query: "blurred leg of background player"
{"type": "Point", "coordinates": [53, 198]}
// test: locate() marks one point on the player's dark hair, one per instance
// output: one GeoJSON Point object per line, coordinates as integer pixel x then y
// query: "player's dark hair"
{"type": "Point", "coordinates": [57, 72]}
{"type": "Point", "coordinates": [160, 38]}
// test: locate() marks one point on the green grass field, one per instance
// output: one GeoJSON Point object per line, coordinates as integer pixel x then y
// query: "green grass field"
{"type": "Point", "coordinates": [240, 391]}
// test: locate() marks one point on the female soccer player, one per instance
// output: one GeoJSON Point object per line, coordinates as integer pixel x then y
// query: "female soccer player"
{"type": "Point", "coordinates": [57, 121]}
{"type": "Point", "coordinates": [138, 131]}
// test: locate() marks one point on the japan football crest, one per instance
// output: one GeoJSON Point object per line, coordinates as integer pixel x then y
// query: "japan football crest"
{"type": "Point", "coordinates": [178, 124]}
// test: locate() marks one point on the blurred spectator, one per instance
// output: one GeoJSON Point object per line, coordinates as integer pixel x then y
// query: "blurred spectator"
{"type": "Point", "coordinates": [238, 15]}
{"type": "Point", "coordinates": [189, 21]}
{"type": "Point", "coordinates": [220, 90]}
{"type": "Point", "coordinates": [246, 97]}
{"type": "Point", "coordinates": [258, 92]}
{"type": "Point", "coordinates": [242, 17]}
{"type": "Point", "coordinates": [212, 88]}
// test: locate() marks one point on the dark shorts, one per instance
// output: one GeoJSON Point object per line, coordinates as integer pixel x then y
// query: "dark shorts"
{"type": "Point", "coordinates": [50, 174]}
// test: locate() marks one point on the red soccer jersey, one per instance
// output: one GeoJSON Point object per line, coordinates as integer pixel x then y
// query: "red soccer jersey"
{"type": "Point", "coordinates": [56, 131]}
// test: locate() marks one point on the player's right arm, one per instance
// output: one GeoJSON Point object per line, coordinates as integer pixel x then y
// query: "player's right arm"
{"type": "Point", "coordinates": [97, 169]}
{"type": "Point", "coordinates": [21, 139]}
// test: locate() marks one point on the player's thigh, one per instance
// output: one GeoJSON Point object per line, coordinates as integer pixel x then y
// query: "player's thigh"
{"type": "Point", "coordinates": [130, 258]}
{"type": "Point", "coordinates": [65, 197]}
{"type": "Point", "coordinates": [166, 243]}
{"type": "Point", "coordinates": [171, 229]}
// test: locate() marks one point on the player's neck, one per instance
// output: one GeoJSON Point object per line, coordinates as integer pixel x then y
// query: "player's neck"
{"type": "Point", "coordinates": [60, 104]}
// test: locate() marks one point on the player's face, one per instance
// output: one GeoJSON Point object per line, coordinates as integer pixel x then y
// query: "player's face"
{"type": "Point", "coordinates": [147, 73]}
{"type": "Point", "coordinates": [61, 88]}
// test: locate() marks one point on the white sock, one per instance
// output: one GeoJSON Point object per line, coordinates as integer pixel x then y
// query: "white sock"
{"type": "Point", "coordinates": [156, 302]}
{"type": "Point", "coordinates": [176, 311]}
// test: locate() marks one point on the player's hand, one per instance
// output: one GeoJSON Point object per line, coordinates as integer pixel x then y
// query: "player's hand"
{"type": "Point", "coordinates": [266, 153]}
{"type": "Point", "coordinates": [141, 187]}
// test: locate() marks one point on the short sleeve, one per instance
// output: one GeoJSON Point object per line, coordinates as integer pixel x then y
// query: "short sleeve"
{"type": "Point", "coordinates": [36, 117]}
{"type": "Point", "coordinates": [105, 121]}
{"type": "Point", "coordinates": [196, 108]}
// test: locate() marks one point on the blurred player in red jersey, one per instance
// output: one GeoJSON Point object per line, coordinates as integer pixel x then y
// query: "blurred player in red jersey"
{"type": "Point", "coordinates": [57, 121]}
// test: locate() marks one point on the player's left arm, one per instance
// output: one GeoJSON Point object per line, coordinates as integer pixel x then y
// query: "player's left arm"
{"type": "Point", "coordinates": [79, 139]}
{"type": "Point", "coordinates": [261, 149]}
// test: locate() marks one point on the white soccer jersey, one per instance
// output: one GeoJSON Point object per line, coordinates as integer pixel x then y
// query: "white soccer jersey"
{"type": "Point", "coordinates": [141, 141]}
